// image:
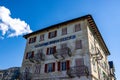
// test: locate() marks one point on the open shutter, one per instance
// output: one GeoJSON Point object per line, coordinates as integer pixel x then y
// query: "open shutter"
{"type": "Point", "coordinates": [68, 64]}
{"type": "Point", "coordinates": [47, 51]}
{"type": "Point", "coordinates": [32, 54]}
{"type": "Point", "coordinates": [55, 33]}
{"type": "Point", "coordinates": [29, 40]}
{"type": "Point", "coordinates": [34, 39]}
{"type": "Point", "coordinates": [58, 66]}
{"type": "Point", "coordinates": [45, 68]}
{"type": "Point", "coordinates": [54, 49]}
{"type": "Point", "coordinates": [49, 35]}
{"type": "Point", "coordinates": [53, 67]}
{"type": "Point", "coordinates": [26, 56]}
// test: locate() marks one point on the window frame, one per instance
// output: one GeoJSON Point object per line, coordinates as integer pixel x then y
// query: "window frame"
{"type": "Point", "coordinates": [52, 34]}
{"type": "Point", "coordinates": [51, 50]}
{"type": "Point", "coordinates": [64, 65]}
{"type": "Point", "coordinates": [29, 55]}
{"type": "Point", "coordinates": [50, 67]}
{"type": "Point", "coordinates": [32, 39]}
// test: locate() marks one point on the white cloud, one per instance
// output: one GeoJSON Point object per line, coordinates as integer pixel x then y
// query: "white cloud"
{"type": "Point", "coordinates": [12, 26]}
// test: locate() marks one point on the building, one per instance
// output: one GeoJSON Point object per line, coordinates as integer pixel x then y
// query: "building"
{"type": "Point", "coordinates": [71, 50]}
{"type": "Point", "coordinates": [112, 70]}
{"type": "Point", "coordinates": [12, 73]}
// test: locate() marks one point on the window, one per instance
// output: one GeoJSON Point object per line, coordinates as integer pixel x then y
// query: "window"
{"type": "Point", "coordinates": [51, 50]}
{"type": "Point", "coordinates": [78, 44]}
{"type": "Point", "coordinates": [27, 69]}
{"type": "Point", "coordinates": [37, 69]}
{"type": "Point", "coordinates": [30, 55]}
{"type": "Point", "coordinates": [62, 66]}
{"type": "Point", "coordinates": [52, 34]}
{"type": "Point", "coordinates": [39, 54]}
{"type": "Point", "coordinates": [32, 40]}
{"type": "Point", "coordinates": [64, 31]}
{"type": "Point", "coordinates": [49, 67]}
{"type": "Point", "coordinates": [77, 27]}
{"type": "Point", "coordinates": [79, 61]}
{"type": "Point", "coordinates": [42, 37]}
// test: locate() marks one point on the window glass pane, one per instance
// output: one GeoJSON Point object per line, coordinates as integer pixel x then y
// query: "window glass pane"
{"type": "Point", "coordinates": [49, 67]}
{"type": "Point", "coordinates": [63, 66]}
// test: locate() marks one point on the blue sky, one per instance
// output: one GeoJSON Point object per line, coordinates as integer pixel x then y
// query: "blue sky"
{"type": "Point", "coordinates": [38, 14]}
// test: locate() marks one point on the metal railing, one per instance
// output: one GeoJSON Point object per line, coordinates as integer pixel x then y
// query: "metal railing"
{"type": "Point", "coordinates": [62, 53]}
{"type": "Point", "coordinates": [26, 76]}
{"type": "Point", "coordinates": [37, 58]}
{"type": "Point", "coordinates": [78, 71]}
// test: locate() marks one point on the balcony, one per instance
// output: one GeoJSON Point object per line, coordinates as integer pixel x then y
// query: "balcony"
{"type": "Point", "coordinates": [26, 76]}
{"type": "Point", "coordinates": [96, 54]}
{"type": "Point", "coordinates": [62, 53]}
{"type": "Point", "coordinates": [37, 58]}
{"type": "Point", "coordinates": [78, 71]}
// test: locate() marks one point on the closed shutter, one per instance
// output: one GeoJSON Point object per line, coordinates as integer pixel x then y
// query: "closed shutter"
{"type": "Point", "coordinates": [78, 44]}
{"type": "Point", "coordinates": [64, 31]}
{"type": "Point", "coordinates": [68, 64]}
{"type": "Point", "coordinates": [37, 69]}
{"type": "Point", "coordinates": [58, 66]}
{"type": "Point", "coordinates": [45, 70]}
{"type": "Point", "coordinates": [64, 45]}
{"type": "Point", "coordinates": [79, 61]}
{"type": "Point", "coordinates": [42, 37]}
{"type": "Point", "coordinates": [53, 67]}
{"type": "Point", "coordinates": [77, 27]}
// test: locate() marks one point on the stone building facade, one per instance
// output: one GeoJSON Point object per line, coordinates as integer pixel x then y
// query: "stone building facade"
{"type": "Point", "coordinates": [71, 50]}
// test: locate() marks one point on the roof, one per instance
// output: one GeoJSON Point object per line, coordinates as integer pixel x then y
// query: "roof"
{"type": "Point", "coordinates": [91, 23]}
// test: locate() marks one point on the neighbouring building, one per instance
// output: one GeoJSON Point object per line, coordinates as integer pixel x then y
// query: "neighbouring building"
{"type": "Point", "coordinates": [112, 70]}
{"type": "Point", "coordinates": [71, 50]}
{"type": "Point", "coordinates": [12, 73]}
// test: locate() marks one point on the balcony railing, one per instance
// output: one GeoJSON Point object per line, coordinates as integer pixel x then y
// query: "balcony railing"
{"type": "Point", "coordinates": [62, 53]}
{"type": "Point", "coordinates": [78, 71]}
{"type": "Point", "coordinates": [26, 76]}
{"type": "Point", "coordinates": [37, 58]}
{"type": "Point", "coordinates": [96, 54]}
